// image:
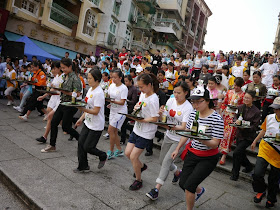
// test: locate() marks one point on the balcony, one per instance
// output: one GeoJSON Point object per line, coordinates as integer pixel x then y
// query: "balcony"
{"type": "Point", "coordinates": [142, 23]}
{"type": "Point", "coordinates": [111, 39]}
{"type": "Point", "coordinates": [181, 44]}
{"type": "Point", "coordinates": [147, 6]}
{"type": "Point", "coordinates": [141, 45]}
{"type": "Point", "coordinates": [63, 16]}
{"type": "Point", "coordinates": [166, 25]}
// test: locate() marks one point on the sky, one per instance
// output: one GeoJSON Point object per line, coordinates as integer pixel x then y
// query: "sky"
{"type": "Point", "coordinates": [242, 25]}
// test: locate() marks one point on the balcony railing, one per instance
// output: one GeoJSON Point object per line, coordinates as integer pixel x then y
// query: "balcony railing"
{"type": "Point", "coordinates": [143, 23]}
{"type": "Point", "coordinates": [140, 44]}
{"type": "Point", "coordinates": [63, 16]}
{"type": "Point", "coordinates": [166, 44]}
{"type": "Point", "coordinates": [166, 22]}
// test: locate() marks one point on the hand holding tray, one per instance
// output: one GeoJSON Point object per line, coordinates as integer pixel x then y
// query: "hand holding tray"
{"type": "Point", "coordinates": [132, 116]}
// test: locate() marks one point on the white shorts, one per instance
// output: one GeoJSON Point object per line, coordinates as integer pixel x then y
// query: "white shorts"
{"type": "Point", "coordinates": [54, 102]}
{"type": "Point", "coordinates": [116, 120]}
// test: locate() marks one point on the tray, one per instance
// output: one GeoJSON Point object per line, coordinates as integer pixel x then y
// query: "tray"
{"type": "Point", "coordinates": [200, 136]}
{"type": "Point", "coordinates": [162, 123]}
{"type": "Point", "coordinates": [132, 116]}
{"type": "Point", "coordinates": [78, 104]}
{"type": "Point", "coordinates": [61, 89]}
{"type": "Point", "coordinates": [231, 106]}
{"type": "Point", "coordinates": [48, 91]}
{"type": "Point", "coordinates": [239, 126]}
{"type": "Point", "coordinates": [271, 140]}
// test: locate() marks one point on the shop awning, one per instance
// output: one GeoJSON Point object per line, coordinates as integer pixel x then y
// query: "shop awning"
{"type": "Point", "coordinates": [54, 50]}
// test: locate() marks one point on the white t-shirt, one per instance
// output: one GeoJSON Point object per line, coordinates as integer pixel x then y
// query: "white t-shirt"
{"type": "Point", "coordinates": [95, 98]}
{"type": "Point", "coordinates": [237, 71]}
{"type": "Point", "coordinates": [150, 108]}
{"type": "Point", "coordinates": [268, 71]}
{"type": "Point", "coordinates": [209, 62]}
{"type": "Point", "coordinates": [176, 115]}
{"type": "Point", "coordinates": [57, 80]}
{"type": "Point", "coordinates": [92, 58]}
{"type": "Point", "coordinates": [118, 93]}
{"type": "Point", "coordinates": [252, 70]}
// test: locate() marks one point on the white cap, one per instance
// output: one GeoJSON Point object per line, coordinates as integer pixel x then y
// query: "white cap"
{"type": "Point", "coordinates": [139, 69]}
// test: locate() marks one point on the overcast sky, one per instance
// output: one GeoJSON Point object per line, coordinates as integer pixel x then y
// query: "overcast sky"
{"type": "Point", "coordinates": [242, 25]}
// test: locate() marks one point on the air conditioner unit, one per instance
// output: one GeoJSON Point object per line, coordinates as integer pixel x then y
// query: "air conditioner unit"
{"type": "Point", "coordinates": [15, 10]}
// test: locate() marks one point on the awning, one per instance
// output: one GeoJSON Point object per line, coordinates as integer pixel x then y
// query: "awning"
{"type": "Point", "coordinates": [166, 30]}
{"type": "Point", "coordinates": [54, 50]}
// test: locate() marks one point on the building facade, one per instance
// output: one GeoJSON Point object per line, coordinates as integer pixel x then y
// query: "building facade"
{"type": "Point", "coordinates": [81, 26]}
{"type": "Point", "coordinates": [276, 44]}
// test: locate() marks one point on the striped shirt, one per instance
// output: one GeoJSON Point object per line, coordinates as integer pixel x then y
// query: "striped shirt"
{"type": "Point", "coordinates": [214, 127]}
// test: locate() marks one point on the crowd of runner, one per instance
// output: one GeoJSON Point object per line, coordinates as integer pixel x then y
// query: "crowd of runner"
{"type": "Point", "coordinates": [230, 97]}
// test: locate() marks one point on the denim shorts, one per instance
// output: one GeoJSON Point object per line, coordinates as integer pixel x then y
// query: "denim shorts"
{"type": "Point", "coordinates": [139, 141]}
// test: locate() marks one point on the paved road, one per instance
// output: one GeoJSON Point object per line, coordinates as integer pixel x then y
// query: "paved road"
{"type": "Point", "coordinates": [48, 179]}
{"type": "Point", "coordinates": [8, 200]}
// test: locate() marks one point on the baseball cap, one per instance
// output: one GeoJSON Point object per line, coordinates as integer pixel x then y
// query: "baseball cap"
{"type": "Point", "coordinates": [200, 92]}
{"type": "Point", "coordinates": [276, 103]}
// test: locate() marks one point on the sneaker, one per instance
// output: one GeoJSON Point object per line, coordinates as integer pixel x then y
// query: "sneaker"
{"type": "Point", "coordinates": [18, 108]}
{"type": "Point", "coordinates": [269, 204]}
{"type": "Point", "coordinates": [110, 154]}
{"type": "Point", "coordinates": [10, 103]}
{"type": "Point", "coordinates": [118, 153]}
{"type": "Point", "coordinates": [41, 139]}
{"type": "Point", "coordinates": [148, 153]}
{"type": "Point", "coordinates": [136, 185]}
{"type": "Point", "coordinates": [198, 195]}
{"type": "Point", "coordinates": [153, 194]}
{"type": "Point", "coordinates": [45, 117]}
{"type": "Point", "coordinates": [142, 169]}
{"type": "Point", "coordinates": [176, 178]}
{"type": "Point", "coordinates": [258, 198]}
{"type": "Point", "coordinates": [49, 148]}
{"type": "Point", "coordinates": [106, 135]}
{"type": "Point", "coordinates": [101, 164]}
{"type": "Point", "coordinates": [86, 170]}
{"type": "Point", "coordinates": [24, 117]}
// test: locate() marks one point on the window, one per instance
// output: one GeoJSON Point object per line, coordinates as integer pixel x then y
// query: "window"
{"type": "Point", "coordinates": [30, 6]}
{"type": "Point", "coordinates": [116, 9]}
{"type": "Point", "coordinates": [90, 24]}
{"type": "Point", "coordinates": [131, 12]}
{"type": "Point", "coordinates": [128, 34]}
{"type": "Point", "coordinates": [113, 26]}
{"type": "Point", "coordinates": [96, 2]}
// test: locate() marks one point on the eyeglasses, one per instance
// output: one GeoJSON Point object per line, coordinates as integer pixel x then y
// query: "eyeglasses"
{"type": "Point", "coordinates": [197, 102]}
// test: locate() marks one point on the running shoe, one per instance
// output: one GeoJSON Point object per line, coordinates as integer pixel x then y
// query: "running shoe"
{"type": "Point", "coordinates": [86, 170]}
{"type": "Point", "coordinates": [258, 198]}
{"type": "Point", "coordinates": [176, 178]}
{"type": "Point", "coordinates": [142, 169]}
{"type": "Point", "coordinates": [24, 117]}
{"type": "Point", "coordinates": [136, 185]}
{"type": "Point", "coordinates": [153, 194]}
{"type": "Point", "coordinates": [101, 164]}
{"type": "Point", "coordinates": [18, 108]}
{"type": "Point", "coordinates": [110, 154]}
{"type": "Point", "coordinates": [49, 148]}
{"type": "Point", "coordinates": [106, 135]}
{"type": "Point", "coordinates": [269, 204]}
{"type": "Point", "coordinates": [41, 139]}
{"type": "Point", "coordinates": [118, 153]}
{"type": "Point", "coordinates": [198, 195]}
{"type": "Point", "coordinates": [10, 103]}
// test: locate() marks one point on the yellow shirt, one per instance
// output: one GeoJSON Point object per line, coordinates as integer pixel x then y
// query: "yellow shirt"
{"type": "Point", "coordinates": [267, 152]}
{"type": "Point", "coordinates": [12, 75]}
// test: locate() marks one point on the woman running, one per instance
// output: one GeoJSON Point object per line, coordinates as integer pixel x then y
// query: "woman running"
{"type": "Point", "coordinates": [118, 95]}
{"type": "Point", "coordinates": [178, 111]}
{"type": "Point", "coordinates": [54, 100]}
{"type": "Point", "coordinates": [94, 121]}
{"type": "Point", "coordinates": [202, 155]}
{"type": "Point", "coordinates": [143, 131]}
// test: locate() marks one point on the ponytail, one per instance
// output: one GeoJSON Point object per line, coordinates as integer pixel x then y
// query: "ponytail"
{"type": "Point", "coordinates": [149, 79]}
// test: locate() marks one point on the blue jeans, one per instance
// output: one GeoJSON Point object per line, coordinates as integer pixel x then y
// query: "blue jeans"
{"type": "Point", "coordinates": [26, 95]}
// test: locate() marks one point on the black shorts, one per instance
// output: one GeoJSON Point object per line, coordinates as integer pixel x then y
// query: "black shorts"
{"type": "Point", "coordinates": [195, 170]}
{"type": "Point", "coordinates": [139, 141]}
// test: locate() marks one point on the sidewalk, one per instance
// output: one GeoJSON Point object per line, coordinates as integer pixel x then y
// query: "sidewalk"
{"type": "Point", "coordinates": [48, 179]}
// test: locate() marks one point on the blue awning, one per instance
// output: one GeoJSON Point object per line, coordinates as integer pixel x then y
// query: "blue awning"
{"type": "Point", "coordinates": [54, 50]}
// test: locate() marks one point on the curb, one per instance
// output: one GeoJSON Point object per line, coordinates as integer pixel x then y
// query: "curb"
{"type": "Point", "coordinates": [14, 188]}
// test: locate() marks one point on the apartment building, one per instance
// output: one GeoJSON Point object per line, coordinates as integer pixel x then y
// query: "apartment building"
{"type": "Point", "coordinates": [81, 26]}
